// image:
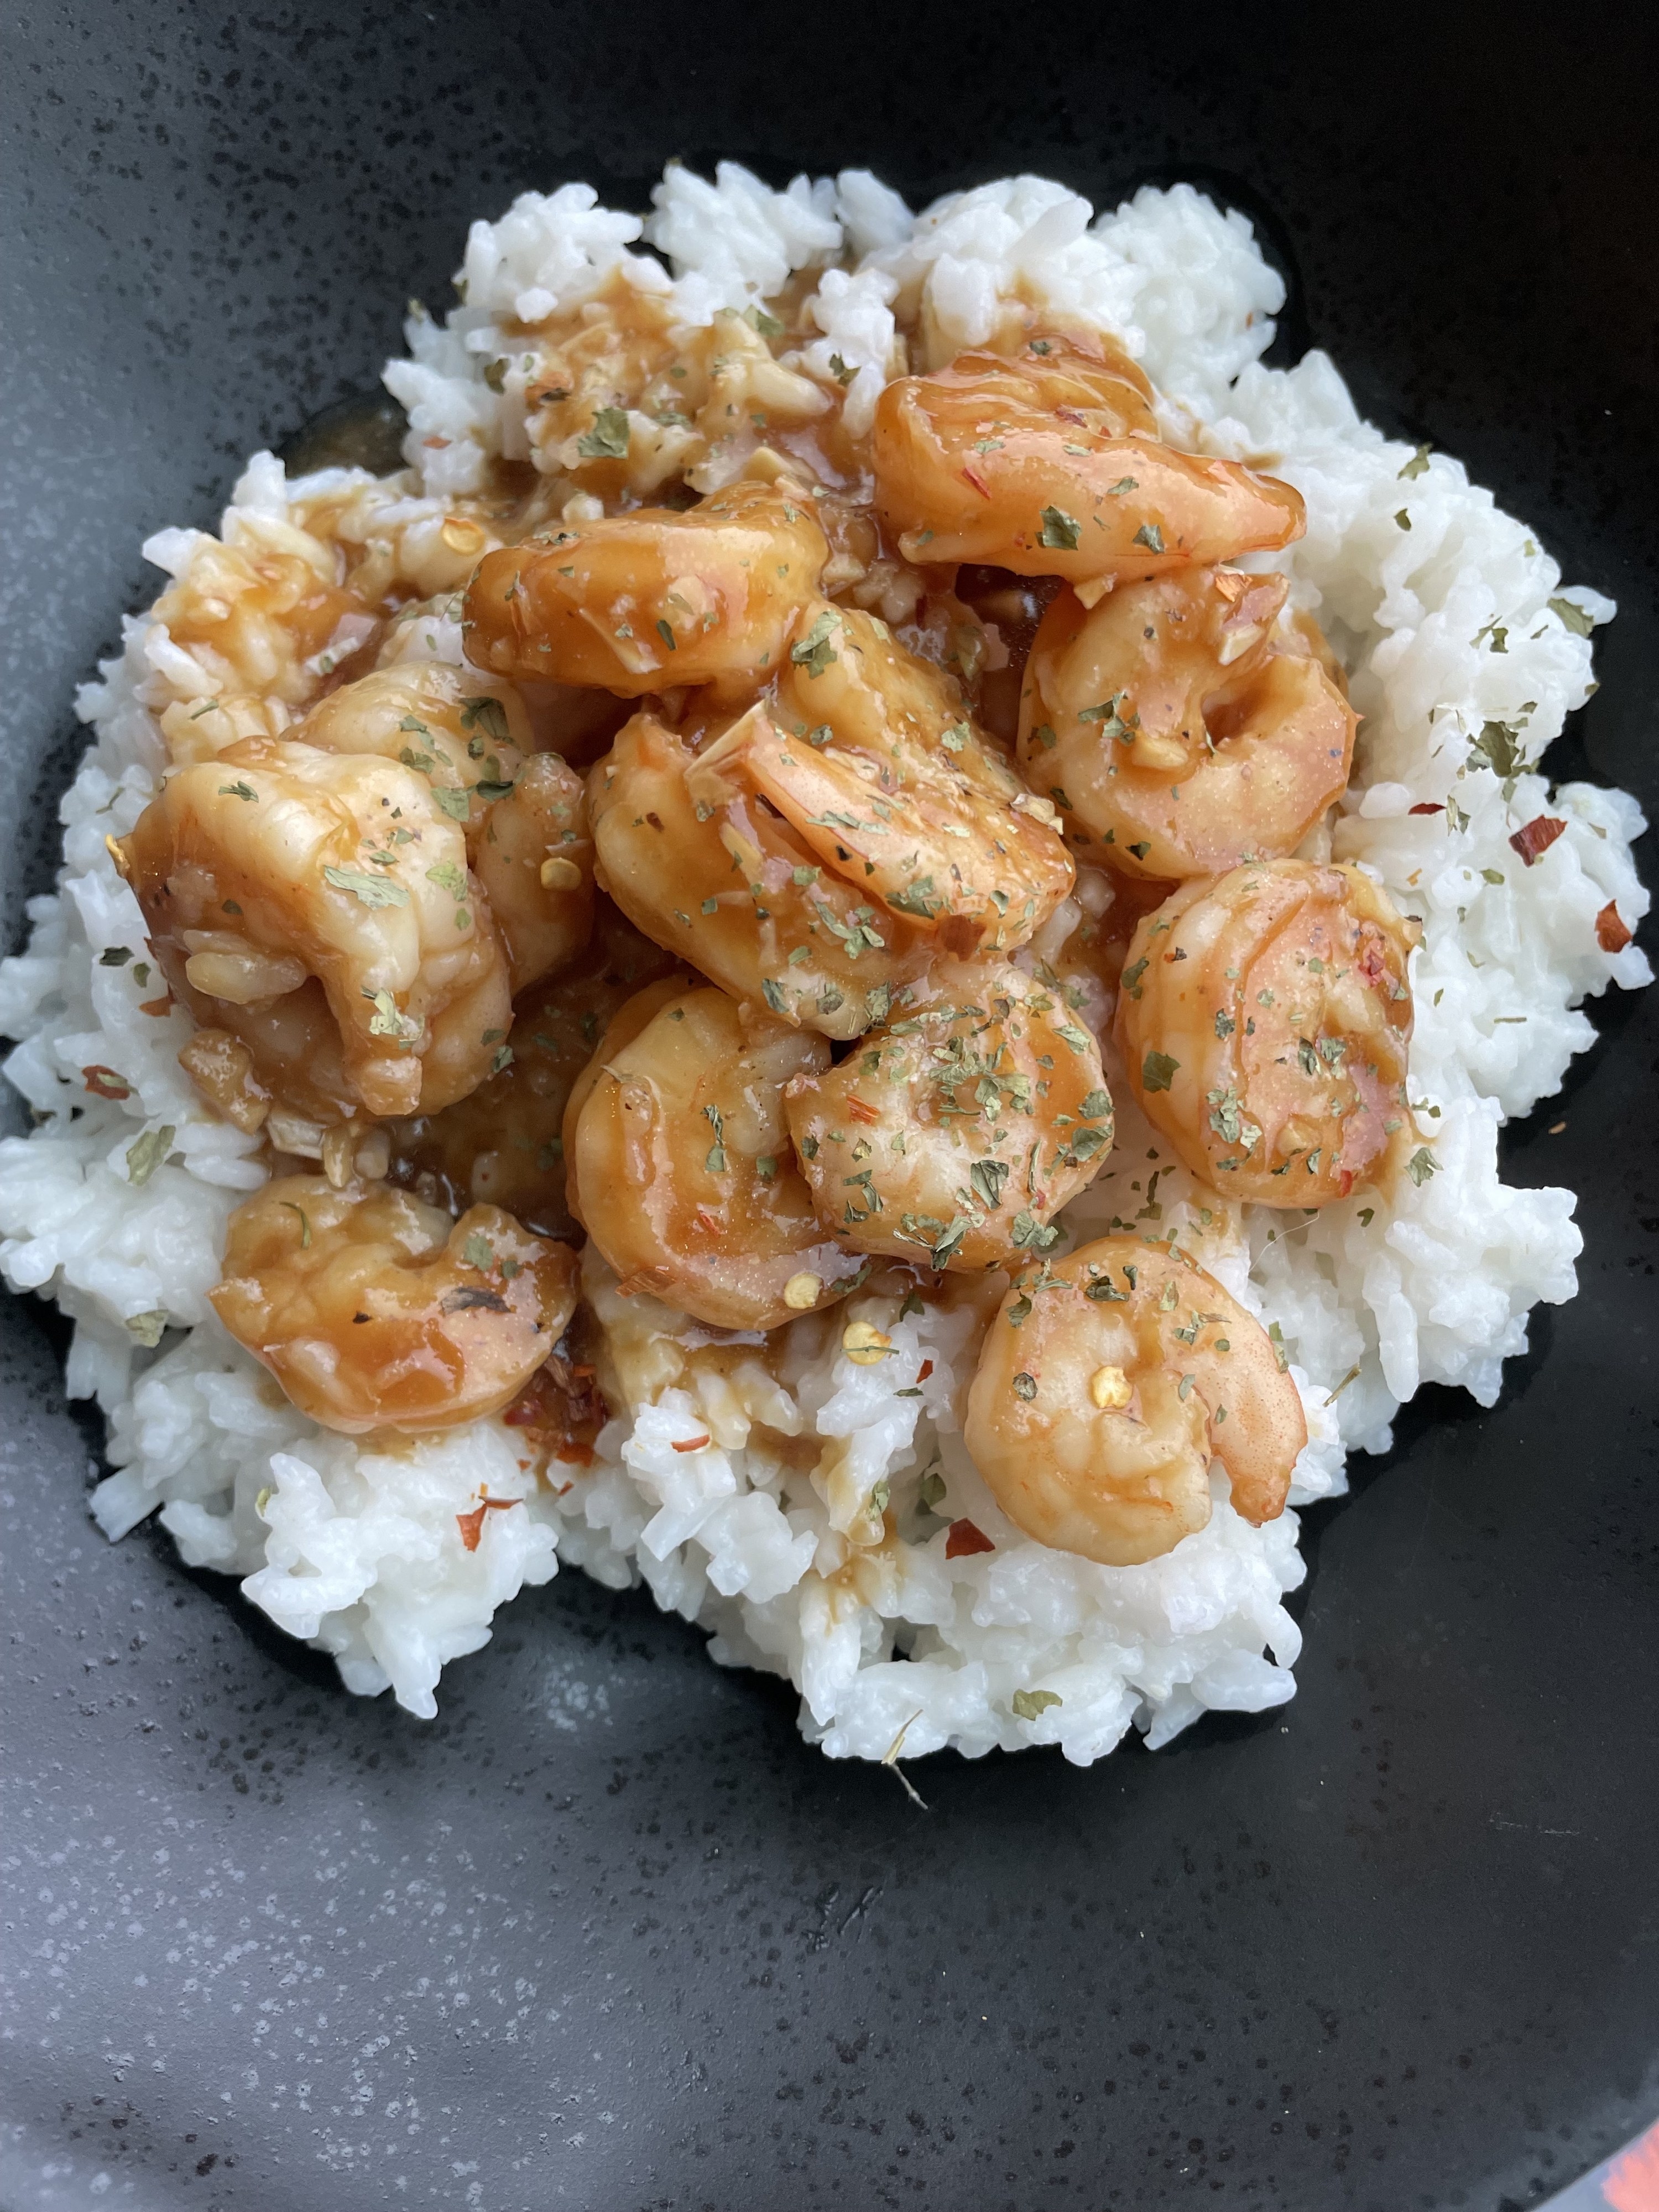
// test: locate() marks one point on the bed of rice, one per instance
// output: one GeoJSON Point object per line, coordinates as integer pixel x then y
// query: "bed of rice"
{"type": "Point", "coordinates": [1450, 617]}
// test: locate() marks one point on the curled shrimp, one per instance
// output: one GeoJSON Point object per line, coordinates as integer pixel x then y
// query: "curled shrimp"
{"type": "Point", "coordinates": [633, 1015]}
{"type": "Point", "coordinates": [636, 603]}
{"type": "Point", "coordinates": [868, 754]}
{"type": "Point", "coordinates": [375, 1311]}
{"type": "Point", "coordinates": [1184, 728]}
{"type": "Point", "coordinates": [1050, 466]}
{"type": "Point", "coordinates": [448, 723]}
{"type": "Point", "coordinates": [501, 1145]}
{"type": "Point", "coordinates": [681, 1163]}
{"type": "Point", "coordinates": [277, 863]}
{"type": "Point", "coordinates": [1105, 1389]}
{"type": "Point", "coordinates": [1264, 1018]}
{"type": "Point", "coordinates": [525, 813]}
{"type": "Point", "coordinates": [534, 858]}
{"type": "Point", "coordinates": [961, 1125]}
{"type": "Point", "coordinates": [728, 885]}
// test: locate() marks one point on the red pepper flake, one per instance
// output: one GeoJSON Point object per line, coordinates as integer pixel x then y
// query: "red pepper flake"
{"type": "Point", "coordinates": [110, 1082]}
{"type": "Point", "coordinates": [435, 443]}
{"type": "Point", "coordinates": [924, 1370]}
{"type": "Point", "coordinates": [1428, 806]}
{"type": "Point", "coordinates": [858, 1110]}
{"type": "Point", "coordinates": [1611, 933]}
{"type": "Point", "coordinates": [693, 1443]}
{"type": "Point", "coordinates": [156, 1005]}
{"type": "Point", "coordinates": [1070, 414]}
{"type": "Point", "coordinates": [1536, 836]}
{"type": "Point", "coordinates": [471, 1524]}
{"type": "Point", "coordinates": [964, 1539]}
{"type": "Point", "coordinates": [973, 476]}
{"type": "Point", "coordinates": [707, 1222]}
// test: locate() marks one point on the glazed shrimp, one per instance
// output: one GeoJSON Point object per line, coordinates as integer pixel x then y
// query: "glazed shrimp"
{"type": "Point", "coordinates": [1105, 1389]}
{"type": "Point", "coordinates": [681, 1163]}
{"type": "Point", "coordinates": [627, 1020]}
{"type": "Point", "coordinates": [448, 723]}
{"type": "Point", "coordinates": [534, 858]}
{"type": "Point", "coordinates": [1050, 466]}
{"type": "Point", "coordinates": [728, 886]}
{"type": "Point", "coordinates": [525, 813]}
{"type": "Point", "coordinates": [501, 1145]}
{"type": "Point", "coordinates": [637, 602]}
{"type": "Point", "coordinates": [1264, 1019]}
{"type": "Point", "coordinates": [869, 756]}
{"type": "Point", "coordinates": [1183, 725]}
{"type": "Point", "coordinates": [374, 1311]}
{"type": "Point", "coordinates": [961, 1125]}
{"type": "Point", "coordinates": [277, 862]}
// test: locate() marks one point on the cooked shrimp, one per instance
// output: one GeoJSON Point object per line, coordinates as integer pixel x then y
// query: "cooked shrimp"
{"type": "Point", "coordinates": [1264, 1018]}
{"type": "Point", "coordinates": [1051, 465]}
{"type": "Point", "coordinates": [534, 858]}
{"type": "Point", "coordinates": [959, 1126]}
{"type": "Point", "coordinates": [1105, 1389]}
{"type": "Point", "coordinates": [374, 1311]}
{"type": "Point", "coordinates": [464, 731]}
{"type": "Point", "coordinates": [637, 602]}
{"type": "Point", "coordinates": [1182, 725]}
{"type": "Point", "coordinates": [869, 757]}
{"type": "Point", "coordinates": [525, 813]}
{"type": "Point", "coordinates": [681, 1164]}
{"type": "Point", "coordinates": [728, 885]}
{"type": "Point", "coordinates": [627, 1021]}
{"type": "Point", "coordinates": [279, 862]}
{"type": "Point", "coordinates": [502, 1144]}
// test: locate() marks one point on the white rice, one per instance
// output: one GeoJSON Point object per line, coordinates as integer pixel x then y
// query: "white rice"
{"type": "Point", "coordinates": [1449, 615]}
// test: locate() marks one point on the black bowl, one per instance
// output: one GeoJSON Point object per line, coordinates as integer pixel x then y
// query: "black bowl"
{"type": "Point", "coordinates": [607, 1934]}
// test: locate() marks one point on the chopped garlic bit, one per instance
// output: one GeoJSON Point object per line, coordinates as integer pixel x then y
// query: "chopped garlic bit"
{"type": "Point", "coordinates": [1109, 1389]}
{"type": "Point", "coordinates": [864, 1344]}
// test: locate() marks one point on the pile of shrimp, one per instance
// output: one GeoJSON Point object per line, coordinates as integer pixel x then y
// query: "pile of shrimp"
{"type": "Point", "coordinates": [696, 915]}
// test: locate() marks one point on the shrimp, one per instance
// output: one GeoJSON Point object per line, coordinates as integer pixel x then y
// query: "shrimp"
{"type": "Point", "coordinates": [374, 1311]}
{"type": "Point", "coordinates": [525, 813]}
{"type": "Point", "coordinates": [961, 1125]}
{"type": "Point", "coordinates": [728, 885]}
{"type": "Point", "coordinates": [627, 1021]}
{"type": "Point", "coordinates": [681, 1164]}
{"type": "Point", "coordinates": [1264, 1018]}
{"type": "Point", "coordinates": [465, 731]}
{"type": "Point", "coordinates": [534, 858]}
{"type": "Point", "coordinates": [1050, 466]}
{"type": "Point", "coordinates": [502, 1144]}
{"type": "Point", "coordinates": [869, 756]}
{"type": "Point", "coordinates": [1106, 1386]}
{"type": "Point", "coordinates": [636, 603]}
{"type": "Point", "coordinates": [1179, 727]}
{"type": "Point", "coordinates": [277, 863]}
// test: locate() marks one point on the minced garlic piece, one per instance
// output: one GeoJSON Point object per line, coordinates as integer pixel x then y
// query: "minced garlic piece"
{"type": "Point", "coordinates": [1109, 1389]}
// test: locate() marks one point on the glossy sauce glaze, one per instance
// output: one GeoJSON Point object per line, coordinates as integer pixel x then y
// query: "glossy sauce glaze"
{"type": "Point", "coordinates": [647, 852]}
